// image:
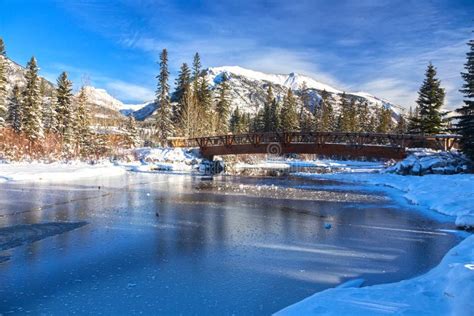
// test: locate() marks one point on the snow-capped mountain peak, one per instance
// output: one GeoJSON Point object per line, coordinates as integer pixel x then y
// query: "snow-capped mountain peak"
{"type": "Point", "coordinates": [293, 80]}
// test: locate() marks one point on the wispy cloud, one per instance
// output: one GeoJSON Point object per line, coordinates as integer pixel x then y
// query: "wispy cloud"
{"type": "Point", "coordinates": [127, 91]}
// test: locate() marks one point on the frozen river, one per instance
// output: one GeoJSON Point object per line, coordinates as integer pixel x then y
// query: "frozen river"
{"type": "Point", "coordinates": [231, 246]}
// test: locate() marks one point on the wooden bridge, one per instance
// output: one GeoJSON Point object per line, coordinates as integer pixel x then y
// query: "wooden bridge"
{"type": "Point", "coordinates": [392, 146]}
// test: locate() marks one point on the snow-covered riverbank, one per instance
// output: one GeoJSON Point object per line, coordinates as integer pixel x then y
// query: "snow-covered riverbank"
{"type": "Point", "coordinates": [58, 171]}
{"type": "Point", "coordinates": [448, 289]}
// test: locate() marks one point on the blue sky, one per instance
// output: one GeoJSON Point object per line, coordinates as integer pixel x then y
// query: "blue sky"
{"type": "Point", "coordinates": [378, 46]}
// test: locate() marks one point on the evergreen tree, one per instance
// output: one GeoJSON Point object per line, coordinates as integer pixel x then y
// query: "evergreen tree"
{"type": "Point", "coordinates": [401, 125]}
{"type": "Point", "coordinates": [275, 116]}
{"type": "Point", "coordinates": [82, 122]}
{"type": "Point", "coordinates": [188, 123]}
{"type": "Point", "coordinates": [413, 125]}
{"type": "Point", "coordinates": [131, 132]}
{"type": "Point", "coordinates": [164, 117]}
{"type": "Point", "coordinates": [385, 120]}
{"type": "Point", "coordinates": [222, 107]}
{"type": "Point", "coordinates": [3, 84]}
{"type": "Point", "coordinates": [3, 52]}
{"type": "Point", "coordinates": [430, 100]}
{"type": "Point", "coordinates": [15, 112]}
{"type": "Point", "coordinates": [183, 83]}
{"type": "Point", "coordinates": [305, 117]}
{"type": "Point", "coordinates": [236, 122]}
{"type": "Point", "coordinates": [465, 125]}
{"type": "Point", "coordinates": [204, 107]}
{"type": "Point", "coordinates": [345, 119]}
{"type": "Point", "coordinates": [364, 122]}
{"type": "Point", "coordinates": [64, 112]}
{"type": "Point", "coordinates": [267, 110]}
{"type": "Point", "coordinates": [31, 116]}
{"type": "Point", "coordinates": [289, 115]}
{"type": "Point", "coordinates": [324, 114]}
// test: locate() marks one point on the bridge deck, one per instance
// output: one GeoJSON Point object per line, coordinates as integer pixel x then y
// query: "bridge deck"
{"type": "Point", "coordinates": [375, 145]}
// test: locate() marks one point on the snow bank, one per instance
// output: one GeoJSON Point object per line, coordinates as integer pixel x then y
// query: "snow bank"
{"type": "Point", "coordinates": [448, 289]}
{"type": "Point", "coordinates": [169, 159]}
{"type": "Point", "coordinates": [429, 161]}
{"type": "Point", "coordinates": [58, 171]}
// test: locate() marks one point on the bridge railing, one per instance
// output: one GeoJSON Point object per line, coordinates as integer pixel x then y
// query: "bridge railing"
{"type": "Point", "coordinates": [439, 142]}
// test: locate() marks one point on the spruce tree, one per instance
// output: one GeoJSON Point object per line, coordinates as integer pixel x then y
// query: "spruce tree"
{"type": "Point", "coordinates": [3, 84]}
{"type": "Point", "coordinates": [236, 121]}
{"type": "Point", "coordinates": [64, 112]}
{"type": "Point", "coordinates": [289, 114]}
{"type": "Point", "coordinates": [363, 113]}
{"type": "Point", "coordinates": [430, 100]}
{"type": "Point", "coordinates": [164, 117]}
{"type": "Point", "coordinates": [222, 107]}
{"type": "Point", "coordinates": [275, 116]}
{"type": "Point", "coordinates": [183, 83]}
{"type": "Point", "coordinates": [465, 125]}
{"type": "Point", "coordinates": [413, 125]}
{"type": "Point", "coordinates": [345, 119]}
{"type": "Point", "coordinates": [401, 125]}
{"type": "Point", "coordinates": [15, 111]}
{"type": "Point", "coordinates": [324, 114]}
{"type": "Point", "coordinates": [385, 120]}
{"type": "Point", "coordinates": [133, 139]}
{"type": "Point", "coordinates": [31, 116]}
{"type": "Point", "coordinates": [305, 117]}
{"type": "Point", "coordinates": [204, 107]}
{"type": "Point", "coordinates": [82, 124]}
{"type": "Point", "coordinates": [267, 110]}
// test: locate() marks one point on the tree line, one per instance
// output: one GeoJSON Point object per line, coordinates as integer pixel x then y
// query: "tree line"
{"type": "Point", "coordinates": [57, 116]}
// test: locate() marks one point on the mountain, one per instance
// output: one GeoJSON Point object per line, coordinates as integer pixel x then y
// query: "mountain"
{"type": "Point", "coordinates": [248, 88]}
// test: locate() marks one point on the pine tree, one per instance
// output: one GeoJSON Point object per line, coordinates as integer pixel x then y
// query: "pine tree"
{"type": "Point", "coordinates": [324, 114]}
{"type": "Point", "coordinates": [188, 122]}
{"type": "Point", "coordinates": [305, 117]}
{"type": "Point", "coordinates": [236, 122]}
{"type": "Point", "coordinates": [364, 122]}
{"type": "Point", "coordinates": [465, 125]}
{"type": "Point", "coordinates": [385, 120]}
{"type": "Point", "coordinates": [82, 125]}
{"type": "Point", "coordinates": [64, 112]}
{"type": "Point", "coordinates": [204, 107]}
{"type": "Point", "coordinates": [345, 119]}
{"type": "Point", "coordinates": [3, 52]}
{"type": "Point", "coordinates": [31, 116]}
{"type": "Point", "coordinates": [275, 116]}
{"type": "Point", "coordinates": [222, 107]}
{"type": "Point", "coordinates": [131, 132]}
{"type": "Point", "coordinates": [15, 111]}
{"type": "Point", "coordinates": [401, 125]}
{"type": "Point", "coordinates": [183, 86]}
{"type": "Point", "coordinates": [289, 115]}
{"type": "Point", "coordinates": [430, 100]}
{"type": "Point", "coordinates": [413, 125]}
{"type": "Point", "coordinates": [164, 117]}
{"type": "Point", "coordinates": [3, 84]}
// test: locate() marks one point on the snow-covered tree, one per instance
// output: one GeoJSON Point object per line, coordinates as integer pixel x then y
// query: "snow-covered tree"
{"type": "Point", "coordinates": [3, 84]}
{"type": "Point", "coordinates": [131, 132]}
{"type": "Point", "coordinates": [164, 123]}
{"type": "Point", "coordinates": [82, 125]}
{"type": "Point", "coordinates": [31, 116]}
{"type": "Point", "coordinates": [15, 111]}
{"type": "Point", "coordinates": [64, 105]}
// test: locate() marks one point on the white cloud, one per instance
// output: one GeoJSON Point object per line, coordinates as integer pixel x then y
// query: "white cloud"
{"type": "Point", "coordinates": [127, 91]}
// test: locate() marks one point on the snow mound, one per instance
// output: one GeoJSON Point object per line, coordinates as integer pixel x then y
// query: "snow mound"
{"type": "Point", "coordinates": [167, 159]}
{"type": "Point", "coordinates": [429, 162]}
{"type": "Point", "coordinates": [448, 289]}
